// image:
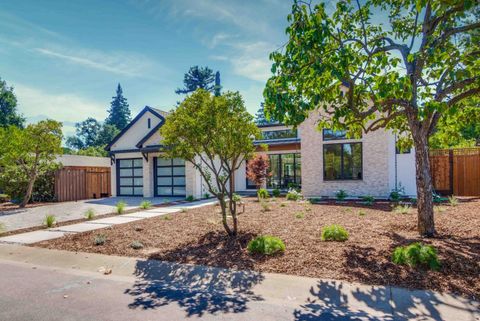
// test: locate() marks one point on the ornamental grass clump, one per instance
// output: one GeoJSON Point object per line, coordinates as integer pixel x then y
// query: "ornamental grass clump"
{"type": "Point", "coordinates": [99, 239]}
{"type": "Point", "coordinates": [262, 193]}
{"type": "Point", "coordinates": [335, 233]}
{"type": "Point", "coordinates": [265, 206]}
{"type": "Point", "coordinates": [146, 205]}
{"type": "Point", "coordinates": [121, 207]}
{"type": "Point", "coordinates": [293, 195]}
{"type": "Point", "coordinates": [341, 195]}
{"type": "Point", "coordinates": [50, 220]}
{"type": "Point", "coordinates": [266, 245]}
{"type": "Point", "coordinates": [136, 245]}
{"type": "Point", "coordinates": [90, 214]}
{"type": "Point", "coordinates": [453, 201]}
{"type": "Point", "coordinates": [416, 254]}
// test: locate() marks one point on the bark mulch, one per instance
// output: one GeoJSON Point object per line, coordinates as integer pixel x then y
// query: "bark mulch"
{"type": "Point", "coordinates": [197, 237]}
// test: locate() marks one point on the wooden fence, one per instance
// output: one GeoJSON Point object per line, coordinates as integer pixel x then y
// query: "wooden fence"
{"type": "Point", "coordinates": [77, 183]}
{"type": "Point", "coordinates": [456, 171]}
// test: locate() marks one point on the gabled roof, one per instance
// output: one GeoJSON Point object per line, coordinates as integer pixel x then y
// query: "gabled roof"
{"type": "Point", "coordinates": [157, 112]}
{"type": "Point", "coordinates": [150, 133]}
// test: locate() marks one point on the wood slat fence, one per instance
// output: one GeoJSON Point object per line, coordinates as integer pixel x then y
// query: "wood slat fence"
{"type": "Point", "coordinates": [456, 171]}
{"type": "Point", "coordinates": [77, 183]}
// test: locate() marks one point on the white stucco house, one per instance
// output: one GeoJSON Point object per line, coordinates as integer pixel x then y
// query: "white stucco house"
{"type": "Point", "coordinates": [320, 162]}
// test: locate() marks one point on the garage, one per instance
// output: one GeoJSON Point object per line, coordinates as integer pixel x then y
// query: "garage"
{"type": "Point", "coordinates": [130, 177]}
{"type": "Point", "coordinates": [169, 177]}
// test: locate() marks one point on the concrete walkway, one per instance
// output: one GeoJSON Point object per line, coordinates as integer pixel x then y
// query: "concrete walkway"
{"type": "Point", "coordinates": [56, 232]}
{"type": "Point", "coordinates": [41, 284]}
{"type": "Point", "coordinates": [67, 211]}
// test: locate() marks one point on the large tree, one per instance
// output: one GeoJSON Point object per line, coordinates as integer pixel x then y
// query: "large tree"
{"type": "Point", "coordinates": [8, 107]}
{"type": "Point", "coordinates": [261, 118]}
{"type": "Point", "coordinates": [86, 134]}
{"type": "Point", "coordinates": [31, 151]}
{"type": "Point", "coordinates": [119, 112]}
{"type": "Point", "coordinates": [200, 78]}
{"type": "Point", "coordinates": [214, 133]}
{"type": "Point", "coordinates": [402, 75]}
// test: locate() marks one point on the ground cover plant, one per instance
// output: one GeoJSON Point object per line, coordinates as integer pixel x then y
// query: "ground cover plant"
{"type": "Point", "coordinates": [335, 233]}
{"type": "Point", "coordinates": [198, 237]}
{"type": "Point", "coordinates": [266, 245]}
{"type": "Point", "coordinates": [416, 254]}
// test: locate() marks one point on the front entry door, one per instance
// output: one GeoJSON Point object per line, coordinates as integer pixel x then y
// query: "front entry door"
{"type": "Point", "coordinates": [169, 177]}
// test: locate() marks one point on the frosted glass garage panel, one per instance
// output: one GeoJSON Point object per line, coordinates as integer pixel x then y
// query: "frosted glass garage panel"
{"type": "Point", "coordinates": [178, 170]}
{"type": "Point", "coordinates": [179, 191]}
{"type": "Point", "coordinates": [164, 190]}
{"type": "Point", "coordinates": [164, 171]}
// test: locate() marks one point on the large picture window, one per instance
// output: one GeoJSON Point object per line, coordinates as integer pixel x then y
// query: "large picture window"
{"type": "Point", "coordinates": [342, 161]}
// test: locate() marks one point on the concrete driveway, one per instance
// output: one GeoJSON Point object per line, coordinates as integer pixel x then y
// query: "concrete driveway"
{"type": "Point", "coordinates": [66, 211]}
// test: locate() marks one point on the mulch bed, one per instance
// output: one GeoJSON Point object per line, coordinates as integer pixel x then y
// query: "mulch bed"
{"type": "Point", "coordinates": [197, 237]}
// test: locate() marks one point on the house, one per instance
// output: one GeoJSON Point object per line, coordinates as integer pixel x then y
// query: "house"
{"type": "Point", "coordinates": [320, 162]}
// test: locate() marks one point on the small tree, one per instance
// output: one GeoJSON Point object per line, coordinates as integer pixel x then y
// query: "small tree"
{"type": "Point", "coordinates": [31, 150]}
{"type": "Point", "coordinates": [257, 169]}
{"type": "Point", "coordinates": [214, 133]}
{"type": "Point", "coordinates": [402, 75]}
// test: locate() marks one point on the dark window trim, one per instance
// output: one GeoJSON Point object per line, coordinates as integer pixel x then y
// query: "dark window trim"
{"type": "Point", "coordinates": [341, 162]}
{"type": "Point", "coordinates": [156, 176]}
{"type": "Point", "coordinates": [334, 138]}
{"type": "Point", "coordinates": [118, 168]}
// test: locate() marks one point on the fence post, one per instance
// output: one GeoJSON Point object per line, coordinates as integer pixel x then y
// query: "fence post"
{"type": "Point", "coordinates": [451, 163]}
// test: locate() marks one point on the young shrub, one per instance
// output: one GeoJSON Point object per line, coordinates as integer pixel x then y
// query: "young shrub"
{"type": "Point", "coordinates": [136, 245]}
{"type": "Point", "coordinates": [265, 206]}
{"type": "Point", "coordinates": [262, 193]}
{"type": "Point", "coordinates": [334, 233]}
{"type": "Point", "coordinates": [121, 207]}
{"type": "Point", "coordinates": [300, 215]}
{"type": "Point", "coordinates": [293, 195]}
{"type": "Point", "coordinates": [395, 195]}
{"type": "Point", "coordinates": [341, 195]}
{"type": "Point", "coordinates": [402, 209]}
{"type": "Point", "coordinates": [206, 195]}
{"type": "Point", "coordinates": [276, 192]}
{"type": "Point", "coordinates": [348, 209]}
{"type": "Point", "coordinates": [236, 198]}
{"type": "Point", "coordinates": [368, 200]}
{"type": "Point", "coordinates": [145, 204]}
{"type": "Point", "coordinates": [416, 254]}
{"type": "Point", "coordinates": [90, 214]}
{"type": "Point", "coordinates": [361, 213]}
{"type": "Point", "coordinates": [99, 239]}
{"type": "Point", "coordinates": [266, 245]}
{"type": "Point", "coordinates": [453, 201]}
{"type": "Point", "coordinates": [190, 198]}
{"type": "Point", "coordinates": [49, 220]}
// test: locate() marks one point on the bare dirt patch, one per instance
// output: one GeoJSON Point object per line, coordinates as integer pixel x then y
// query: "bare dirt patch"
{"type": "Point", "coordinates": [197, 237]}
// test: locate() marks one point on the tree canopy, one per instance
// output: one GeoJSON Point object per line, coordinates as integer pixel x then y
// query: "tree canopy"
{"type": "Point", "coordinates": [200, 78]}
{"type": "Point", "coordinates": [214, 133]}
{"type": "Point", "coordinates": [364, 76]}
{"type": "Point", "coordinates": [119, 112]}
{"type": "Point", "coordinates": [8, 107]}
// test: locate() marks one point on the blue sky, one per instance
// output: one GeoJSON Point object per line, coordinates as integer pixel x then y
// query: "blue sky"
{"type": "Point", "coordinates": [64, 58]}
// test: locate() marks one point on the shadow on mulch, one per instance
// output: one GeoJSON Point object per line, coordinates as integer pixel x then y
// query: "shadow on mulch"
{"type": "Point", "coordinates": [198, 289]}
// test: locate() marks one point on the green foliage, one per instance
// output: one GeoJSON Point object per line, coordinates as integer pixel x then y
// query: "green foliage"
{"type": "Point", "coordinates": [262, 193]}
{"type": "Point", "coordinates": [26, 154]}
{"type": "Point", "coordinates": [119, 112]}
{"type": "Point", "coordinates": [206, 195]}
{"type": "Point", "coordinates": [236, 198]}
{"type": "Point", "coordinates": [265, 205]}
{"type": "Point", "coordinates": [416, 254]}
{"type": "Point", "coordinates": [300, 215]}
{"type": "Point", "coordinates": [90, 214]}
{"type": "Point", "coordinates": [276, 192]}
{"type": "Point", "coordinates": [4, 198]}
{"type": "Point", "coordinates": [362, 213]}
{"type": "Point", "coordinates": [136, 245]}
{"type": "Point", "coordinates": [334, 233]}
{"type": "Point", "coordinates": [190, 198]}
{"type": "Point", "coordinates": [368, 200]}
{"type": "Point", "coordinates": [145, 204]}
{"type": "Point", "coordinates": [458, 130]}
{"type": "Point", "coordinates": [261, 117]}
{"type": "Point", "coordinates": [49, 221]}
{"type": "Point", "coordinates": [200, 78]}
{"type": "Point", "coordinates": [293, 195]}
{"type": "Point", "coordinates": [100, 239]}
{"type": "Point", "coordinates": [120, 207]}
{"type": "Point", "coordinates": [453, 201]}
{"type": "Point", "coordinates": [9, 115]}
{"type": "Point", "coordinates": [341, 195]}
{"type": "Point", "coordinates": [439, 199]}
{"type": "Point", "coordinates": [397, 194]}
{"type": "Point", "coordinates": [402, 209]}
{"type": "Point", "coordinates": [216, 129]}
{"type": "Point", "coordinates": [266, 245]}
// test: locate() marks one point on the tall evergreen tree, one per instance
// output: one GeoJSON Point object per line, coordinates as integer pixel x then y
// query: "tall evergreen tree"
{"type": "Point", "coordinates": [119, 112]}
{"type": "Point", "coordinates": [8, 107]}
{"type": "Point", "coordinates": [261, 118]}
{"type": "Point", "coordinates": [200, 77]}
{"type": "Point", "coordinates": [217, 90]}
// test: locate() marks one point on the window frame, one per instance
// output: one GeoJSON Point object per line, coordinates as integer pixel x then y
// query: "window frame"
{"type": "Point", "coordinates": [172, 176]}
{"type": "Point", "coordinates": [342, 162]}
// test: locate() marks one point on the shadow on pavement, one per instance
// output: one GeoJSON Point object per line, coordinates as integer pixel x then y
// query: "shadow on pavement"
{"type": "Point", "coordinates": [197, 289]}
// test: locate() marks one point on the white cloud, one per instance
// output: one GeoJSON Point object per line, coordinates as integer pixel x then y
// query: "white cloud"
{"type": "Point", "coordinates": [37, 104]}
{"type": "Point", "coordinates": [114, 62]}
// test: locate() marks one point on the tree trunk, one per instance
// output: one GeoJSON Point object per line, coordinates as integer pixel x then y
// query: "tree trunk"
{"type": "Point", "coordinates": [29, 191]}
{"type": "Point", "coordinates": [223, 206]}
{"type": "Point", "coordinates": [425, 224]}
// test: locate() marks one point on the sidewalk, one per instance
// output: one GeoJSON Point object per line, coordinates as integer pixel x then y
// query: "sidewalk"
{"type": "Point", "coordinates": [60, 285]}
{"type": "Point", "coordinates": [56, 232]}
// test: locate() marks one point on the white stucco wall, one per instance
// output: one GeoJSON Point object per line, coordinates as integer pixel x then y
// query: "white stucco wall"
{"type": "Point", "coordinates": [135, 133]}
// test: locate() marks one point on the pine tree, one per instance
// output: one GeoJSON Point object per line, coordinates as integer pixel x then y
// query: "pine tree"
{"type": "Point", "coordinates": [199, 77]}
{"type": "Point", "coordinates": [119, 112]}
{"type": "Point", "coordinates": [260, 117]}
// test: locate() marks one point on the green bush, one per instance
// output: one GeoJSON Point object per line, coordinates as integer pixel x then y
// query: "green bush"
{"type": "Point", "coordinates": [276, 192]}
{"type": "Point", "coordinates": [145, 204]}
{"type": "Point", "coordinates": [89, 214]}
{"type": "Point", "coordinates": [236, 198]}
{"type": "Point", "coordinates": [190, 198]}
{"type": "Point", "coordinates": [206, 195]}
{"type": "Point", "coordinates": [49, 220]}
{"type": "Point", "coordinates": [341, 195]}
{"type": "Point", "coordinates": [266, 245]}
{"type": "Point", "coordinates": [121, 207]}
{"type": "Point", "coordinates": [262, 193]}
{"type": "Point", "coordinates": [334, 233]}
{"type": "Point", "coordinates": [99, 239]}
{"type": "Point", "coordinates": [368, 200]}
{"type": "Point", "coordinates": [136, 245]}
{"type": "Point", "coordinates": [4, 198]}
{"type": "Point", "coordinates": [293, 195]}
{"type": "Point", "coordinates": [416, 254]}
